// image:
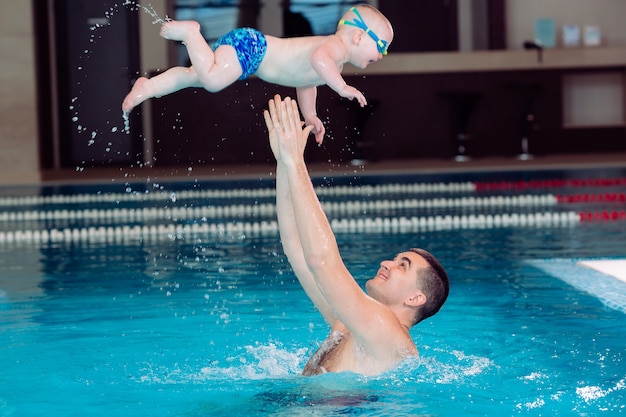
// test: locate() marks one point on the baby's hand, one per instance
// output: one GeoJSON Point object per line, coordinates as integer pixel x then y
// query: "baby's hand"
{"type": "Point", "coordinates": [318, 128]}
{"type": "Point", "coordinates": [350, 92]}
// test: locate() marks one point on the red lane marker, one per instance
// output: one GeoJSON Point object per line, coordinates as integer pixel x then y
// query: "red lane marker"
{"type": "Point", "coordinates": [550, 183]}
{"type": "Point", "coordinates": [602, 216]}
{"type": "Point", "coordinates": [592, 198]}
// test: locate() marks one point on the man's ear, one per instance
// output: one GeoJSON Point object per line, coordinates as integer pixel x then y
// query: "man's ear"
{"type": "Point", "coordinates": [417, 299]}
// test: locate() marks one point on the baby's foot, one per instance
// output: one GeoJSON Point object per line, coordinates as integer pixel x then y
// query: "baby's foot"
{"type": "Point", "coordinates": [138, 94]}
{"type": "Point", "coordinates": [178, 30]}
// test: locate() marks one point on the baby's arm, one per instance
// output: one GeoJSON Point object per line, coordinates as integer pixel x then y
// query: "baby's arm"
{"type": "Point", "coordinates": [307, 97]}
{"type": "Point", "coordinates": [327, 68]}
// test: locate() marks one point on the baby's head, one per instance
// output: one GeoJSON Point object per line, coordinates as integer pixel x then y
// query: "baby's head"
{"type": "Point", "coordinates": [370, 32]}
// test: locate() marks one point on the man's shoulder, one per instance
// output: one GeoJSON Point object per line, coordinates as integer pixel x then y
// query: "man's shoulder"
{"type": "Point", "coordinates": [368, 356]}
{"type": "Point", "coordinates": [390, 337]}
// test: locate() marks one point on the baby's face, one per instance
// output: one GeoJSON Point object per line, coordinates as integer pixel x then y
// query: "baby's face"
{"type": "Point", "coordinates": [370, 50]}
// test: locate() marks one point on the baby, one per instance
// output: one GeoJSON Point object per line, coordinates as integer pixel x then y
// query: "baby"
{"type": "Point", "coordinates": [362, 37]}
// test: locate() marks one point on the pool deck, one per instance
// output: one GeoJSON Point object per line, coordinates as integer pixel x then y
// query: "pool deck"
{"type": "Point", "coordinates": [422, 166]}
{"type": "Point", "coordinates": [615, 267]}
{"type": "Point", "coordinates": [597, 277]}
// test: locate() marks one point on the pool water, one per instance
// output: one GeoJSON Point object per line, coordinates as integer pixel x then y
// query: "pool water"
{"type": "Point", "coordinates": [210, 322]}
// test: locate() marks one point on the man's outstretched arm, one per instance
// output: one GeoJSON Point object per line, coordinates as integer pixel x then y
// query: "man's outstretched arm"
{"type": "Point", "coordinates": [349, 303]}
{"type": "Point", "coordinates": [289, 232]}
{"type": "Point", "coordinates": [293, 248]}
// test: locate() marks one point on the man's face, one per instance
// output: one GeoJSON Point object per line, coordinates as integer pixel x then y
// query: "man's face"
{"type": "Point", "coordinates": [396, 279]}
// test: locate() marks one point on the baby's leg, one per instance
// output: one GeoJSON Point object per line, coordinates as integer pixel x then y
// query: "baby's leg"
{"type": "Point", "coordinates": [214, 71]}
{"type": "Point", "coordinates": [180, 30]}
{"type": "Point", "coordinates": [172, 80]}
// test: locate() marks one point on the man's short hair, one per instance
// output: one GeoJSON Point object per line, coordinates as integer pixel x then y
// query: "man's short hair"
{"type": "Point", "coordinates": [433, 281]}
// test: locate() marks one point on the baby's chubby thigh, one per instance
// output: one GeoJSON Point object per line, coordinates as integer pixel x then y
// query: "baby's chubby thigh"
{"type": "Point", "coordinates": [225, 70]}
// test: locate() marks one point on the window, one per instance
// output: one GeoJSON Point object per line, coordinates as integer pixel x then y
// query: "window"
{"type": "Point", "coordinates": [299, 17]}
{"type": "Point", "coordinates": [322, 16]}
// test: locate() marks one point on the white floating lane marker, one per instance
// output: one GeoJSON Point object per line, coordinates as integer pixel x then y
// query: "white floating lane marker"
{"type": "Point", "coordinates": [269, 192]}
{"type": "Point", "coordinates": [119, 215]}
{"type": "Point", "coordinates": [396, 225]}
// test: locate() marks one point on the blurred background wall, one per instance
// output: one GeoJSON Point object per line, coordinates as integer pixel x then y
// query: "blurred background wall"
{"type": "Point", "coordinates": [21, 156]}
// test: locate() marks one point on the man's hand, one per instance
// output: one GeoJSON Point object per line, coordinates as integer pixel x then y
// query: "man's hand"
{"type": "Point", "coordinates": [286, 133]}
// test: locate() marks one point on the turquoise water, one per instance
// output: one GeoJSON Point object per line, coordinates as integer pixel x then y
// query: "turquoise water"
{"type": "Point", "coordinates": [204, 324]}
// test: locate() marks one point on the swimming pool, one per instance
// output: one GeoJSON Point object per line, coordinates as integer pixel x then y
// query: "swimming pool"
{"type": "Point", "coordinates": [176, 299]}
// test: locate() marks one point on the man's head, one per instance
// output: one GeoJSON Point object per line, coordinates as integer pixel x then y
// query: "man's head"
{"type": "Point", "coordinates": [413, 280]}
{"type": "Point", "coordinates": [433, 281]}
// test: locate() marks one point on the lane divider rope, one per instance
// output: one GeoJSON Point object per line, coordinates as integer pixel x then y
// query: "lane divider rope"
{"type": "Point", "coordinates": [549, 183]}
{"type": "Point", "coordinates": [267, 209]}
{"type": "Point", "coordinates": [592, 198]}
{"type": "Point", "coordinates": [335, 190]}
{"type": "Point", "coordinates": [362, 225]}
{"type": "Point", "coordinates": [393, 224]}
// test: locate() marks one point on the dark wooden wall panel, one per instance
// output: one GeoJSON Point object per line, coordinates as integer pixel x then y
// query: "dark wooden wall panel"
{"type": "Point", "coordinates": [408, 117]}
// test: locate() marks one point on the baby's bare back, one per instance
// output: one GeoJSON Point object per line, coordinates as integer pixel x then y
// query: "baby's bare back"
{"type": "Point", "coordinates": [288, 61]}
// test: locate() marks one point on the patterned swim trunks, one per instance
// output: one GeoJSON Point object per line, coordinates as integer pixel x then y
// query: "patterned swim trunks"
{"type": "Point", "coordinates": [250, 45]}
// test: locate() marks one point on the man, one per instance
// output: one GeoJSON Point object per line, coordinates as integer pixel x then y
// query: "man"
{"type": "Point", "coordinates": [369, 332]}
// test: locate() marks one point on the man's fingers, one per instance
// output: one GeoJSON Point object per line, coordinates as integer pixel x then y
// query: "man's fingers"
{"type": "Point", "coordinates": [307, 130]}
{"type": "Point", "coordinates": [272, 110]}
{"type": "Point", "coordinates": [295, 114]}
{"type": "Point", "coordinates": [268, 120]}
{"type": "Point", "coordinates": [291, 116]}
{"type": "Point", "coordinates": [283, 116]}
{"type": "Point", "coordinates": [276, 104]}
{"type": "Point", "coordinates": [288, 119]}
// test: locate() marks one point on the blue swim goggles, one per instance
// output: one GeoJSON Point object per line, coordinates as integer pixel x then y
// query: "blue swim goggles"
{"type": "Point", "coordinates": [358, 21]}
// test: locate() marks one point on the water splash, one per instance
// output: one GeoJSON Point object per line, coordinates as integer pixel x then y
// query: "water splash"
{"type": "Point", "coordinates": [148, 10]}
{"type": "Point", "coordinates": [592, 393]}
{"type": "Point", "coordinates": [95, 25]}
{"type": "Point", "coordinates": [457, 368]}
{"type": "Point", "coordinates": [261, 361]}
{"type": "Point", "coordinates": [126, 122]}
